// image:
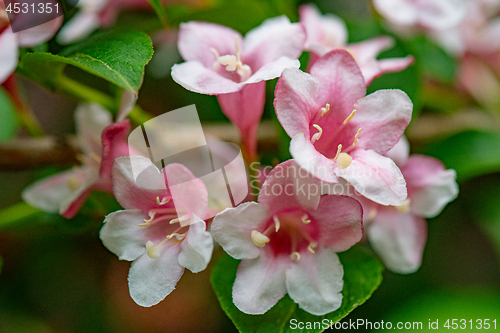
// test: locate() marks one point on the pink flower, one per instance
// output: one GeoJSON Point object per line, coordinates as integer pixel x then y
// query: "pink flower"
{"type": "Point", "coordinates": [398, 234]}
{"type": "Point", "coordinates": [101, 141]}
{"type": "Point", "coordinates": [288, 245]}
{"type": "Point", "coordinates": [410, 16]}
{"type": "Point", "coordinates": [219, 61]}
{"type": "Point", "coordinates": [338, 132]}
{"type": "Point", "coordinates": [149, 231]}
{"type": "Point", "coordinates": [10, 41]}
{"type": "Point", "coordinates": [328, 32]}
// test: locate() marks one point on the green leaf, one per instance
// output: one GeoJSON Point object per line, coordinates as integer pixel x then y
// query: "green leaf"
{"type": "Point", "coordinates": [119, 58]}
{"type": "Point", "coordinates": [17, 213]}
{"type": "Point", "coordinates": [470, 153]}
{"type": "Point", "coordinates": [362, 276]}
{"type": "Point", "coordinates": [160, 11]}
{"type": "Point", "coordinates": [8, 119]}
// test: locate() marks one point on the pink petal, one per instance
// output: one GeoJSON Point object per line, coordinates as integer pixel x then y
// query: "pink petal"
{"type": "Point", "coordinates": [399, 239]}
{"type": "Point", "coordinates": [114, 145]}
{"type": "Point", "coordinates": [122, 235]}
{"type": "Point", "coordinates": [295, 101]}
{"type": "Point", "coordinates": [137, 183]}
{"type": "Point", "coordinates": [260, 283]}
{"type": "Point", "coordinates": [400, 152]}
{"type": "Point", "coordinates": [232, 229]}
{"type": "Point", "coordinates": [341, 84]}
{"type": "Point", "coordinates": [197, 38]}
{"type": "Point", "coordinates": [72, 204]}
{"type": "Point", "coordinates": [324, 32]}
{"type": "Point", "coordinates": [273, 39]}
{"type": "Point", "coordinates": [194, 76]}
{"type": "Point", "coordinates": [430, 185]}
{"type": "Point", "coordinates": [383, 117]}
{"type": "Point", "coordinates": [91, 120]}
{"type": "Point", "coordinates": [9, 54]}
{"type": "Point", "coordinates": [376, 177]}
{"type": "Point", "coordinates": [308, 158]}
{"type": "Point", "coordinates": [315, 282]}
{"type": "Point", "coordinates": [340, 219]}
{"type": "Point", "coordinates": [244, 108]}
{"type": "Point", "coordinates": [39, 34]}
{"type": "Point", "coordinates": [151, 280]}
{"type": "Point", "coordinates": [272, 70]}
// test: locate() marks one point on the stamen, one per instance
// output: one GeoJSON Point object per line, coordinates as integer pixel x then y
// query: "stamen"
{"type": "Point", "coordinates": [217, 56]}
{"type": "Point", "coordinates": [295, 255]}
{"type": "Point", "coordinates": [277, 223]}
{"type": "Point", "coordinates": [317, 136]}
{"type": "Point", "coordinates": [305, 219]}
{"type": "Point", "coordinates": [339, 149]}
{"type": "Point", "coordinates": [325, 109]}
{"type": "Point", "coordinates": [355, 143]}
{"type": "Point", "coordinates": [73, 182]}
{"type": "Point", "coordinates": [311, 246]}
{"type": "Point", "coordinates": [348, 119]}
{"type": "Point", "coordinates": [344, 160]}
{"type": "Point", "coordinates": [177, 236]}
{"type": "Point", "coordinates": [180, 219]}
{"type": "Point", "coordinates": [163, 201]}
{"type": "Point", "coordinates": [152, 215]}
{"type": "Point", "coordinates": [152, 249]}
{"type": "Point", "coordinates": [259, 239]}
{"type": "Point", "coordinates": [404, 207]}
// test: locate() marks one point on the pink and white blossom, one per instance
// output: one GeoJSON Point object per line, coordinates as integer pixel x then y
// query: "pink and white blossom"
{"type": "Point", "coordinates": [398, 234]}
{"type": "Point", "coordinates": [10, 42]}
{"type": "Point", "coordinates": [288, 245]}
{"type": "Point", "coordinates": [149, 232]}
{"type": "Point", "coordinates": [101, 142]}
{"type": "Point", "coordinates": [219, 61]}
{"type": "Point", "coordinates": [337, 132]}
{"type": "Point", "coordinates": [328, 32]}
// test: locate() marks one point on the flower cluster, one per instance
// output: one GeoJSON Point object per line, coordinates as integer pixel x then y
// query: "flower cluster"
{"type": "Point", "coordinates": [287, 240]}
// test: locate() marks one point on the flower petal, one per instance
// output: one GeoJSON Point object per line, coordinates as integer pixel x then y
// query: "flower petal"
{"type": "Point", "coordinates": [310, 159]}
{"type": "Point", "coordinates": [151, 280]}
{"type": "Point", "coordinates": [315, 282]}
{"type": "Point", "coordinates": [260, 283]}
{"type": "Point", "coordinates": [295, 101]}
{"type": "Point", "coordinates": [114, 145]}
{"type": "Point", "coordinates": [72, 203]}
{"type": "Point", "coordinates": [341, 83]}
{"type": "Point", "coordinates": [376, 177]}
{"type": "Point", "coordinates": [399, 239]}
{"type": "Point", "coordinates": [196, 248]}
{"type": "Point", "coordinates": [193, 76]}
{"type": "Point", "coordinates": [232, 229]}
{"type": "Point", "coordinates": [9, 54]}
{"type": "Point", "coordinates": [430, 185]}
{"type": "Point", "coordinates": [39, 34]}
{"type": "Point", "coordinates": [196, 39]}
{"type": "Point", "coordinates": [78, 28]}
{"type": "Point", "coordinates": [272, 70]}
{"type": "Point", "coordinates": [122, 235]}
{"type": "Point", "coordinates": [400, 152]}
{"type": "Point", "coordinates": [383, 117]}
{"type": "Point", "coordinates": [91, 120]}
{"type": "Point", "coordinates": [274, 38]}
{"type": "Point", "coordinates": [340, 221]}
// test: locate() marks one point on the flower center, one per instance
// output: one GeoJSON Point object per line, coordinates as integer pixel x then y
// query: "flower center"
{"type": "Point", "coordinates": [343, 159]}
{"type": "Point", "coordinates": [288, 232]}
{"type": "Point", "coordinates": [232, 62]}
{"type": "Point", "coordinates": [160, 215]}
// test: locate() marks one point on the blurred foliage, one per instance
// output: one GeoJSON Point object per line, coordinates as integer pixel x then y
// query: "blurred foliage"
{"type": "Point", "coordinates": [8, 123]}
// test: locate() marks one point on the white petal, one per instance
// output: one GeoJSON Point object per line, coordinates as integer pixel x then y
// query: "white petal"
{"type": "Point", "coordinates": [9, 54]}
{"type": "Point", "coordinates": [430, 201]}
{"type": "Point", "coordinates": [315, 282]}
{"type": "Point", "coordinates": [79, 27]}
{"type": "Point", "coordinates": [151, 280]}
{"type": "Point", "coordinates": [260, 283]}
{"type": "Point", "coordinates": [122, 235]}
{"type": "Point", "coordinates": [91, 119]}
{"type": "Point", "coordinates": [196, 248]}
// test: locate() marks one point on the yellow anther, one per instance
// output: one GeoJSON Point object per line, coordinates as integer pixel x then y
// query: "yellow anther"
{"type": "Point", "coordinates": [277, 223]}
{"type": "Point", "coordinates": [305, 219]}
{"type": "Point", "coordinates": [371, 215]}
{"type": "Point", "coordinates": [339, 149]}
{"type": "Point", "coordinates": [325, 110]}
{"type": "Point", "coordinates": [177, 236]}
{"type": "Point", "coordinates": [148, 222]}
{"type": "Point", "coordinates": [356, 137]}
{"type": "Point", "coordinates": [162, 202]}
{"type": "Point", "coordinates": [259, 239]}
{"type": "Point", "coordinates": [311, 246]}
{"type": "Point", "coordinates": [73, 183]}
{"type": "Point", "coordinates": [295, 255]}
{"type": "Point", "coordinates": [404, 207]}
{"type": "Point", "coordinates": [318, 135]}
{"type": "Point", "coordinates": [180, 219]}
{"type": "Point", "coordinates": [348, 119]}
{"type": "Point", "coordinates": [152, 250]}
{"type": "Point", "coordinates": [344, 160]}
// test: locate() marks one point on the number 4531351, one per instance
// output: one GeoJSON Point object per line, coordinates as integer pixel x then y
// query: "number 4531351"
{"type": "Point", "coordinates": [40, 8]}
{"type": "Point", "coordinates": [471, 324]}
